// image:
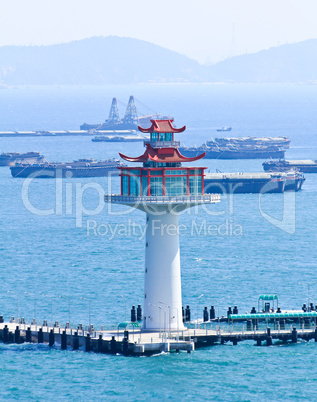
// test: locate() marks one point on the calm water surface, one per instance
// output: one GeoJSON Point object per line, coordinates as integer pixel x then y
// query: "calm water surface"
{"type": "Point", "coordinates": [52, 264]}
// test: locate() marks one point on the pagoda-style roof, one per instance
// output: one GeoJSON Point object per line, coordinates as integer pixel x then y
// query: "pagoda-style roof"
{"type": "Point", "coordinates": [162, 126]}
{"type": "Point", "coordinates": [162, 155]}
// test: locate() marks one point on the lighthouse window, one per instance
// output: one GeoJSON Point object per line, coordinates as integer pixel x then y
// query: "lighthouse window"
{"type": "Point", "coordinates": [144, 173]}
{"type": "Point", "coordinates": [154, 136]}
{"type": "Point", "coordinates": [195, 185]}
{"type": "Point", "coordinates": [169, 137]}
{"type": "Point", "coordinates": [162, 137]}
{"type": "Point", "coordinates": [156, 173]}
{"type": "Point", "coordinates": [195, 171]}
{"type": "Point", "coordinates": [175, 186]}
{"type": "Point", "coordinates": [134, 185]}
{"type": "Point", "coordinates": [144, 186]}
{"type": "Point", "coordinates": [125, 185]}
{"type": "Point", "coordinates": [175, 172]}
{"type": "Point", "coordinates": [156, 185]}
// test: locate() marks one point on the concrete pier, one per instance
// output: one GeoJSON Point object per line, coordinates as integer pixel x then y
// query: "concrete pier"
{"type": "Point", "coordinates": [137, 342]}
{"type": "Point", "coordinates": [67, 133]}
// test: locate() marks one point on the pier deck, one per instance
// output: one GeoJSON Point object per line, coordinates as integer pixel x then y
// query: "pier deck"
{"type": "Point", "coordinates": [137, 342]}
{"type": "Point", "coordinates": [65, 133]}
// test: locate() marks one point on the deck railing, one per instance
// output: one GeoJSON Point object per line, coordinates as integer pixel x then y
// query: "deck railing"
{"type": "Point", "coordinates": [213, 198]}
{"type": "Point", "coordinates": [162, 144]}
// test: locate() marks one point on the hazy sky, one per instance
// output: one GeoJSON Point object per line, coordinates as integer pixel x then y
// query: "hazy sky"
{"type": "Point", "coordinates": [206, 30]}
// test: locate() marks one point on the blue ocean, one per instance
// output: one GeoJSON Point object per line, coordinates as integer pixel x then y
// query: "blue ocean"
{"type": "Point", "coordinates": [65, 255]}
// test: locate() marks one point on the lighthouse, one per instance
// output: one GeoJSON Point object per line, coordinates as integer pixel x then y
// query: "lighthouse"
{"type": "Point", "coordinates": [162, 188]}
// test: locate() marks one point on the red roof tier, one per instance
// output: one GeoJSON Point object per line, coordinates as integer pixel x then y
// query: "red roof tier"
{"type": "Point", "coordinates": [162, 126]}
{"type": "Point", "coordinates": [162, 155]}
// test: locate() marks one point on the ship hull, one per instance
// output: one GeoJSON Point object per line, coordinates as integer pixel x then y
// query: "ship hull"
{"type": "Point", "coordinates": [50, 172]}
{"type": "Point", "coordinates": [294, 184]}
{"type": "Point", "coordinates": [104, 126]}
{"type": "Point", "coordinates": [227, 154]}
{"type": "Point", "coordinates": [243, 186]}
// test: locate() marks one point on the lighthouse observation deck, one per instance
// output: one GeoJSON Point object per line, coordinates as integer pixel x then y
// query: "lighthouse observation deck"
{"type": "Point", "coordinates": [157, 200]}
{"type": "Point", "coordinates": [158, 204]}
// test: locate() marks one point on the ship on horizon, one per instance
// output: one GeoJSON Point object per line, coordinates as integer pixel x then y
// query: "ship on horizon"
{"type": "Point", "coordinates": [305, 166]}
{"type": "Point", "coordinates": [241, 148]}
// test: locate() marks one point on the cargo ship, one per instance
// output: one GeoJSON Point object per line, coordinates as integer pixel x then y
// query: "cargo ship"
{"type": "Point", "coordinates": [282, 142]}
{"type": "Point", "coordinates": [305, 166]}
{"type": "Point", "coordinates": [79, 168]}
{"type": "Point", "coordinates": [130, 121]}
{"type": "Point", "coordinates": [11, 158]}
{"type": "Point", "coordinates": [240, 148]}
{"type": "Point", "coordinates": [241, 183]}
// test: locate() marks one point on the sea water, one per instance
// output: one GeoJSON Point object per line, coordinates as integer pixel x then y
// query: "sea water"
{"type": "Point", "coordinates": [65, 255]}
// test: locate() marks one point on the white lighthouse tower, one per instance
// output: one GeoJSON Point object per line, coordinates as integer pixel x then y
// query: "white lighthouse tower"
{"type": "Point", "coordinates": [162, 188]}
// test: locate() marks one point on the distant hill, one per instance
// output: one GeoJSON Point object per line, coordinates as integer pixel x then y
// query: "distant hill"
{"type": "Point", "coordinates": [295, 63]}
{"type": "Point", "coordinates": [114, 60]}
{"type": "Point", "coordinates": [98, 60]}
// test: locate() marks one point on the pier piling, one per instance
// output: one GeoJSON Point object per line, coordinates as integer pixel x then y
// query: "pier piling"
{"type": "Point", "coordinates": [40, 336]}
{"type": "Point", "coordinates": [28, 336]}
{"type": "Point", "coordinates": [294, 335]}
{"type": "Point", "coordinates": [5, 334]}
{"type": "Point", "coordinates": [17, 337]}
{"type": "Point", "coordinates": [75, 341]}
{"type": "Point", "coordinates": [51, 338]}
{"type": "Point", "coordinates": [64, 341]}
{"type": "Point", "coordinates": [268, 337]}
{"type": "Point", "coordinates": [100, 344]}
{"type": "Point", "coordinates": [87, 343]}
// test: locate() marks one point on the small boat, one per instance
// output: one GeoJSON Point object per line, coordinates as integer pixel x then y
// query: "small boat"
{"type": "Point", "coordinates": [103, 138]}
{"type": "Point", "coordinates": [224, 129]}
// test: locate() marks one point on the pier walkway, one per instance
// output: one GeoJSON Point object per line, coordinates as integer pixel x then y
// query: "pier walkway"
{"type": "Point", "coordinates": [136, 342]}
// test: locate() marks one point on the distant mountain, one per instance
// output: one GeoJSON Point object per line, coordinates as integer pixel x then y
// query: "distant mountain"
{"type": "Point", "coordinates": [98, 60]}
{"type": "Point", "coordinates": [295, 63]}
{"type": "Point", "coordinates": [114, 60]}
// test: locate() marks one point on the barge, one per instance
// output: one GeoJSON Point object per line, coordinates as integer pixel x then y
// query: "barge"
{"type": "Point", "coordinates": [241, 183]}
{"type": "Point", "coordinates": [241, 148]}
{"type": "Point", "coordinates": [79, 168]}
{"type": "Point", "coordinates": [305, 166]}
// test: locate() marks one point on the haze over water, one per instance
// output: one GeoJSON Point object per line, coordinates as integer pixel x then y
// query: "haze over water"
{"type": "Point", "coordinates": [250, 249]}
